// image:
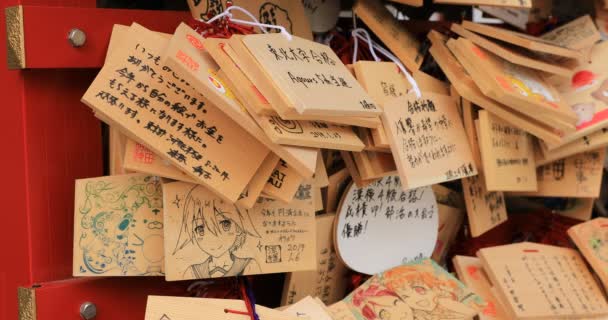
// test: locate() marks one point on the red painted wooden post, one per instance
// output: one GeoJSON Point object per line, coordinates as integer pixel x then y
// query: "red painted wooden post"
{"type": "Point", "coordinates": [114, 298]}
{"type": "Point", "coordinates": [14, 238]}
{"type": "Point", "coordinates": [46, 44]}
{"type": "Point", "coordinates": [50, 139]}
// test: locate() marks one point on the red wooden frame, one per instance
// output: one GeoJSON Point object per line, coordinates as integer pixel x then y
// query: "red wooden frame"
{"type": "Point", "coordinates": [46, 29]}
{"type": "Point", "coordinates": [50, 139]}
{"type": "Point", "coordinates": [114, 298]}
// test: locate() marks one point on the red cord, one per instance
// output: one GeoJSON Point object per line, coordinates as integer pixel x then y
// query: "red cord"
{"type": "Point", "coordinates": [247, 301]}
{"type": "Point", "coordinates": [222, 28]}
{"type": "Point", "coordinates": [237, 312]}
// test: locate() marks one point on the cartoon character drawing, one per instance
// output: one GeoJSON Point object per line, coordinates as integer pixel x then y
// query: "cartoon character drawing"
{"type": "Point", "coordinates": [121, 229]}
{"type": "Point", "coordinates": [418, 291]}
{"type": "Point", "coordinates": [377, 302]}
{"type": "Point", "coordinates": [429, 296]}
{"type": "Point", "coordinates": [218, 229]}
{"type": "Point", "coordinates": [527, 84]}
{"type": "Point", "coordinates": [601, 93]}
{"type": "Point", "coordinates": [272, 14]}
{"type": "Point", "coordinates": [584, 112]}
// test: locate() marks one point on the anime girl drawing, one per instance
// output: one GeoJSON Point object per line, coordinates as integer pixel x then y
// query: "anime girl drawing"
{"type": "Point", "coordinates": [378, 302]}
{"type": "Point", "coordinates": [415, 292]}
{"type": "Point", "coordinates": [218, 229]}
{"type": "Point", "coordinates": [430, 295]}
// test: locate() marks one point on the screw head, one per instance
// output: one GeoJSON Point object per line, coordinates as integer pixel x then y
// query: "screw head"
{"type": "Point", "coordinates": [77, 37]}
{"type": "Point", "coordinates": [88, 311]}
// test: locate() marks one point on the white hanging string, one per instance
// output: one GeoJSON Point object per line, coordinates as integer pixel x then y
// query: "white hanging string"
{"type": "Point", "coordinates": [255, 22]}
{"type": "Point", "coordinates": [363, 35]}
{"type": "Point", "coordinates": [356, 35]}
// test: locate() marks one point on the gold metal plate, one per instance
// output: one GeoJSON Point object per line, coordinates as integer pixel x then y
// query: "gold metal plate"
{"type": "Point", "coordinates": [14, 35]}
{"type": "Point", "coordinates": [27, 303]}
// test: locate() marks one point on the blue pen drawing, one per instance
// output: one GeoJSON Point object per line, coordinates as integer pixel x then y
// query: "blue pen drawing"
{"type": "Point", "coordinates": [119, 226]}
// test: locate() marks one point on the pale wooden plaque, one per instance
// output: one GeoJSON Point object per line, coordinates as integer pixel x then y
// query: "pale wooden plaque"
{"type": "Point", "coordinates": [398, 39]}
{"type": "Point", "coordinates": [118, 226]}
{"type": "Point", "coordinates": [428, 83]}
{"type": "Point", "coordinates": [523, 40]}
{"type": "Point", "coordinates": [586, 93]}
{"type": "Point", "coordinates": [175, 122]}
{"type": "Point", "coordinates": [536, 281]}
{"type": "Point", "coordinates": [337, 184]}
{"type": "Point", "coordinates": [139, 158]}
{"type": "Point", "coordinates": [311, 76]}
{"type": "Point", "coordinates": [520, 88]}
{"type": "Point", "coordinates": [328, 282]}
{"type": "Point", "coordinates": [483, 79]}
{"type": "Point", "coordinates": [200, 70]}
{"type": "Point", "coordinates": [471, 273]}
{"type": "Point", "coordinates": [249, 65]}
{"type": "Point", "coordinates": [485, 209]}
{"type": "Point", "coordinates": [206, 237]}
{"type": "Point", "coordinates": [186, 308]}
{"type": "Point", "coordinates": [353, 170]}
{"type": "Point", "coordinates": [283, 182]}
{"type": "Point", "coordinates": [418, 290]}
{"type": "Point", "coordinates": [448, 197]}
{"type": "Point", "coordinates": [521, 17]}
{"type": "Point", "coordinates": [593, 141]}
{"type": "Point", "coordinates": [469, 117]}
{"type": "Point", "coordinates": [578, 34]}
{"type": "Point", "coordinates": [513, 56]}
{"type": "Point", "coordinates": [257, 184]}
{"type": "Point", "coordinates": [578, 176]}
{"type": "Point", "coordinates": [428, 140]}
{"type": "Point", "coordinates": [591, 238]}
{"type": "Point", "coordinates": [320, 179]}
{"type": "Point", "coordinates": [383, 81]}
{"type": "Point", "coordinates": [117, 144]}
{"type": "Point", "coordinates": [467, 88]}
{"type": "Point", "coordinates": [317, 134]}
{"type": "Point", "coordinates": [450, 221]}
{"type": "Point", "coordinates": [309, 308]}
{"type": "Point", "coordinates": [374, 165]}
{"type": "Point", "coordinates": [507, 154]}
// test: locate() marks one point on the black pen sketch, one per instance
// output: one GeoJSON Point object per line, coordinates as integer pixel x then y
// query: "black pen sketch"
{"type": "Point", "coordinates": [218, 229]}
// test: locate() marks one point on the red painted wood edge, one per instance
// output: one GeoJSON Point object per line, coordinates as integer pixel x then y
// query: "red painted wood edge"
{"type": "Point", "coordinates": [114, 298]}
{"type": "Point", "coordinates": [46, 30]}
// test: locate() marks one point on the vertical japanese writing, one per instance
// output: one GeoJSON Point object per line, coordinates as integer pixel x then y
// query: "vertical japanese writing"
{"type": "Point", "coordinates": [429, 136]}
{"type": "Point", "coordinates": [156, 100]}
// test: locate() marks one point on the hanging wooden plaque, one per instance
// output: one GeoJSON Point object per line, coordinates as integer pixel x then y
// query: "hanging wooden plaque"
{"type": "Point", "coordinates": [311, 76]}
{"type": "Point", "coordinates": [175, 122]}
{"type": "Point", "coordinates": [118, 226]}
{"type": "Point", "coordinates": [206, 237]}
{"type": "Point", "coordinates": [507, 155]}
{"type": "Point", "coordinates": [428, 140]}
